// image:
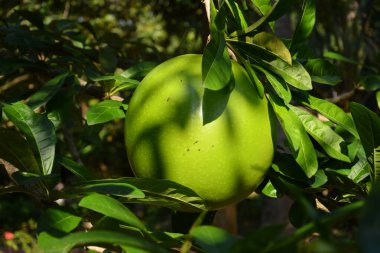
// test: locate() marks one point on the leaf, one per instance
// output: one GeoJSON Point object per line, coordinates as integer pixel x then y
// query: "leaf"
{"type": "Point", "coordinates": [214, 103]}
{"type": "Point", "coordinates": [370, 82]}
{"type": "Point", "coordinates": [50, 244]}
{"type": "Point", "coordinates": [216, 64]}
{"type": "Point", "coordinates": [58, 219]}
{"type": "Point", "coordinates": [359, 171]}
{"type": "Point", "coordinates": [319, 179]}
{"type": "Point", "coordinates": [279, 8]}
{"type": "Point", "coordinates": [376, 164]}
{"type": "Point", "coordinates": [38, 130]}
{"type": "Point", "coordinates": [105, 111]}
{"type": "Point", "coordinates": [270, 190]}
{"type": "Point", "coordinates": [15, 150]}
{"type": "Point", "coordinates": [33, 17]}
{"type": "Point", "coordinates": [273, 44]}
{"type": "Point", "coordinates": [300, 143]}
{"type": "Point", "coordinates": [112, 208]}
{"type": "Point", "coordinates": [329, 140]}
{"type": "Point", "coordinates": [167, 193]}
{"type": "Point", "coordinates": [332, 112]}
{"type": "Point", "coordinates": [254, 79]}
{"type": "Point", "coordinates": [278, 85]}
{"type": "Point", "coordinates": [49, 90]}
{"type": "Point", "coordinates": [212, 239]}
{"type": "Point", "coordinates": [368, 126]}
{"type": "Point", "coordinates": [295, 74]}
{"type": "Point", "coordinates": [339, 57]}
{"type": "Point", "coordinates": [237, 14]}
{"type": "Point", "coordinates": [138, 70]}
{"type": "Point", "coordinates": [323, 72]}
{"type": "Point", "coordinates": [305, 25]}
{"type": "Point", "coordinates": [264, 45]}
{"type": "Point", "coordinates": [378, 99]}
{"type": "Point", "coordinates": [117, 187]}
{"type": "Point", "coordinates": [77, 169]}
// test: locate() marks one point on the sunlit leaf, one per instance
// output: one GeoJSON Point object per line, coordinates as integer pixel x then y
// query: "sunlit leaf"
{"type": "Point", "coordinates": [305, 25]}
{"type": "Point", "coordinates": [38, 130]}
{"type": "Point", "coordinates": [278, 85]}
{"type": "Point", "coordinates": [332, 112]}
{"type": "Point", "coordinates": [58, 219]}
{"type": "Point", "coordinates": [112, 208]}
{"type": "Point", "coordinates": [299, 141]}
{"type": "Point", "coordinates": [105, 111]}
{"type": "Point", "coordinates": [329, 140]}
{"type": "Point", "coordinates": [139, 69]}
{"type": "Point", "coordinates": [339, 57]}
{"type": "Point", "coordinates": [212, 239]}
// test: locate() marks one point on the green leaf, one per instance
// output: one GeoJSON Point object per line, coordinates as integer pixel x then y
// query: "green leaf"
{"type": "Point", "coordinates": [15, 150]}
{"type": "Point", "coordinates": [138, 70]}
{"type": "Point", "coordinates": [254, 79]}
{"type": "Point", "coordinates": [216, 64]}
{"type": "Point", "coordinates": [50, 244]}
{"type": "Point", "coordinates": [105, 111]}
{"type": "Point", "coordinates": [359, 171]}
{"type": "Point", "coordinates": [378, 99]}
{"type": "Point", "coordinates": [319, 179]}
{"type": "Point", "coordinates": [339, 57]}
{"type": "Point", "coordinates": [278, 85]}
{"type": "Point", "coordinates": [167, 193]}
{"type": "Point", "coordinates": [299, 141]}
{"type": "Point", "coordinates": [58, 219]}
{"type": "Point", "coordinates": [329, 140]}
{"type": "Point", "coordinates": [237, 14]}
{"type": "Point", "coordinates": [279, 8]}
{"type": "Point", "coordinates": [305, 25]}
{"type": "Point", "coordinates": [77, 169]}
{"type": "Point", "coordinates": [214, 103]}
{"type": "Point", "coordinates": [270, 191]}
{"type": "Point", "coordinates": [370, 82]}
{"type": "Point", "coordinates": [117, 187]}
{"type": "Point", "coordinates": [368, 126]}
{"type": "Point", "coordinates": [212, 239]}
{"type": "Point", "coordinates": [49, 90]}
{"type": "Point", "coordinates": [273, 44]}
{"type": "Point", "coordinates": [295, 74]}
{"type": "Point", "coordinates": [376, 164]}
{"type": "Point", "coordinates": [111, 208]}
{"type": "Point", "coordinates": [332, 112]}
{"type": "Point", "coordinates": [323, 72]}
{"type": "Point", "coordinates": [38, 130]}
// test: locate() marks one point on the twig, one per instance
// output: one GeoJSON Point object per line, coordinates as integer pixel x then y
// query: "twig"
{"type": "Point", "coordinates": [341, 97]}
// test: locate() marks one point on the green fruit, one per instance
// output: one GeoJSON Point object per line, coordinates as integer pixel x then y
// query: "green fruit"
{"type": "Point", "coordinates": [222, 161]}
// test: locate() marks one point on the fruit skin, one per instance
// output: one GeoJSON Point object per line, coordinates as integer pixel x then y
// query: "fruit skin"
{"type": "Point", "coordinates": [222, 161]}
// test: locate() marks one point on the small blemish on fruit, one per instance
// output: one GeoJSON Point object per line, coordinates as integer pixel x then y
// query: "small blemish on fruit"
{"type": "Point", "coordinates": [195, 142]}
{"type": "Point", "coordinates": [212, 146]}
{"type": "Point", "coordinates": [187, 150]}
{"type": "Point", "coordinates": [199, 149]}
{"type": "Point", "coordinates": [167, 100]}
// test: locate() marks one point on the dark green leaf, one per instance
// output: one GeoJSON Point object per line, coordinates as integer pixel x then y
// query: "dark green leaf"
{"type": "Point", "coordinates": [38, 130]}
{"type": "Point", "coordinates": [44, 94]}
{"type": "Point", "coordinates": [277, 10]}
{"type": "Point", "coordinates": [330, 141]}
{"type": "Point", "coordinates": [278, 85]}
{"type": "Point", "coordinates": [33, 17]}
{"type": "Point", "coordinates": [139, 70]}
{"type": "Point", "coordinates": [254, 79]}
{"type": "Point", "coordinates": [50, 244]}
{"type": "Point", "coordinates": [323, 72]}
{"type": "Point", "coordinates": [368, 126]}
{"type": "Point", "coordinates": [370, 82]}
{"type": "Point", "coordinates": [167, 193]}
{"type": "Point", "coordinates": [214, 102]}
{"type": "Point", "coordinates": [216, 64]}
{"type": "Point", "coordinates": [58, 219]}
{"type": "Point", "coordinates": [105, 111]}
{"type": "Point", "coordinates": [115, 187]}
{"type": "Point", "coordinates": [212, 239]}
{"type": "Point", "coordinates": [237, 14]}
{"type": "Point", "coordinates": [305, 25]}
{"type": "Point", "coordinates": [8, 66]}
{"type": "Point", "coordinates": [300, 143]}
{"type": "Point", "coordinates": [15, 150]}
{"type": "Point", "coordinates": [111, 208]}
{"type": "Point", "coordinates": [77, 169]}
{"type": "Point", "coordinates": [332, 112]}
